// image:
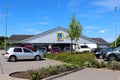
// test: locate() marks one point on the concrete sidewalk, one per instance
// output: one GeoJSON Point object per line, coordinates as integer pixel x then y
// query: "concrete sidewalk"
{"type": "Point", "coordinates": [92, 74]}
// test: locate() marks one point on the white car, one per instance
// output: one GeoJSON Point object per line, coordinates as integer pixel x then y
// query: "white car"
{"type": "Point", "coordinates": [18, 53]}
{"type": "Point", "coordinates": [83, 48]}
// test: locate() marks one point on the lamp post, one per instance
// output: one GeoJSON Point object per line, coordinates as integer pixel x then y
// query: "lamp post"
{"type": "Point", "coordinates": [115, 9]}
{"type": "Point", "coordinates": [6, 21]}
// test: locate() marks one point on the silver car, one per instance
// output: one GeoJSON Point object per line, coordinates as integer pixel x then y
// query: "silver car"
{"type": "Point", "coordinates": [112, 55]}
{"type": "Point", "coordinates": [18, 53]}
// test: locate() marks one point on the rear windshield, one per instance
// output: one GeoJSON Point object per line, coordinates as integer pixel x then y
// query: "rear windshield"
{"type": "Point", "coordinates": [84, 46]}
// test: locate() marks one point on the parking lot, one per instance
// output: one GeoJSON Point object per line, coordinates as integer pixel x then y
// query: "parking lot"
{"type": "Point", "coordinates": [10, 67]}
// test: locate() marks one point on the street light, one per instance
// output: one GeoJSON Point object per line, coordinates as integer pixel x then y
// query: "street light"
{"type": "Point", "coordinates": [6, 20]}
{"type": "Point", "coordinates": [115, 9]}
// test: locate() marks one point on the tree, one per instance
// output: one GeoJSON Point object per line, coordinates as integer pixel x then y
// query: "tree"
{"type": "Point", "coordinates": [117, 42]}
{"type": "Point", "coordinates": [74, 31]}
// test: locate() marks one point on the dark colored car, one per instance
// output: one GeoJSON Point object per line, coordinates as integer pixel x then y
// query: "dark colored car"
{"type": "Point", "coordinates": [67, 49]}
{"type": "Point", "coordinates": [42, 49]}
{"type": "Point", "coordinates": [102, 52]}
{"type": "Point", "coordinates": [98, 52]}
{"type": "Point", "coordinates": [112, 55]}
{"type": "Point", "coordinates": [55, 50]}
{"type": "Point", "coordinates": [106, 51]}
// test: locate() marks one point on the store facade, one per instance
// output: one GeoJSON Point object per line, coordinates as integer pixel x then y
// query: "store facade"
{"type": "Point", "coordinates": [53, 37]}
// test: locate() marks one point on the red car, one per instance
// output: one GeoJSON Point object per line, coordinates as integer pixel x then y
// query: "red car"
{"type": "Point", "coordinates": [55, 50]}
{"type": "Point", "coordinates": [30, 46]}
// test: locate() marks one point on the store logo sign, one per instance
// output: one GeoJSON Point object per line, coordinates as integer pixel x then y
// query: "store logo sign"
{"type": "Point", "coordinates": [59, 36]}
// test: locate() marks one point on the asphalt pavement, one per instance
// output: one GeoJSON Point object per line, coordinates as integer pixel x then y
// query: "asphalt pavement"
{"type": "Point", "coordinates": [9, 67]}
{"type": "Point", "coordinates": [85, 74]}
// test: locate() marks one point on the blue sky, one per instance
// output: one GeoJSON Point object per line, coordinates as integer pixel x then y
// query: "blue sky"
{"type": "Point", "coordinates": [97, 17]}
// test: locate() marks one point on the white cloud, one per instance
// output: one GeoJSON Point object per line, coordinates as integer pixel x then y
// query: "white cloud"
{"type": "Point", "coordinates": [102, 31]}
{"type": "Point", "coordinates": [74, 3]}
{"type": "Point", "coordinates": [34, 31]}
{"type": "Point", "coordinates": [107, 4]}
{"type": "Point", "coordinates": [91, 27]}
{"type": "Point", "coordinates": [34, 23]}
{"type": "Point", "coordinates": [88, 31]}
{"type": "Point", "coordinates": [45, 18]}
{"type": "Point", "coordinates": [43, 23]}
{"type": "Point", "coordinates": [30, 30]}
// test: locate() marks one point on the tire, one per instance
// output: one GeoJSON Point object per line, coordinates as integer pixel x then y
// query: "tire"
{"type": "Point", "coordinates": [37, 58]}
{"type": "Point", "coordinates": [112, 57]}
{"type": "Point", "coordinates": [12, 59]}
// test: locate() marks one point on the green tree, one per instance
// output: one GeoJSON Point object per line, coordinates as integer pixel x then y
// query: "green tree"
{"type": "Point", "coordinates": [74, 31]}
{"type": "Point", "coordinates": [117, 42]}
{"type": "Point", "coordinates": [2, 42]}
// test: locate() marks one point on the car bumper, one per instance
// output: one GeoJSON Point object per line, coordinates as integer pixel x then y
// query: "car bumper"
{"type": "Point", "coordinates": [6, 56]}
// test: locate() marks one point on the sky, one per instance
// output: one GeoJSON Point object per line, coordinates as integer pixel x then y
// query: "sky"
{"type": "Point", "coordinates": [97, 17]}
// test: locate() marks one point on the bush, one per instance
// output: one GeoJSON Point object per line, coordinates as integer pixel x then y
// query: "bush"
{"type": "Point", "coordinates": [114, 65]}
{"type": "Point", "coordinates": [51, 70]}
{"type": "Point", "coordinates": [102, 64]}
{"type": "Point", "coordinates": [33, 75]}
{"type": "Point", "coordinates": [75, 59]}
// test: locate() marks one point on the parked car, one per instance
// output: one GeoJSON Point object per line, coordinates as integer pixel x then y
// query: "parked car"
{"type": "Point", "coordinates": [42, 49]}
{"type": "Point", "coordinates": [100, 51]}
{"type": "Point", "coordinates": [17, 53]}
{"type": "Point", "coordinates": [106, 51]}
{"type": "Point", "coordinates": [67, 49]}
{"type": "Point", "coordinates": [30, 46]}
{"type": "Point", "coordinates": [83, 48]}
{"type": "Point", "coordinates": [55, 50]}
{"type": "Point", "coordinates": [112, 55]}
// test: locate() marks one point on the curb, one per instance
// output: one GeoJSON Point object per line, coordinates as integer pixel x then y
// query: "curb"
{"type": "Point", "coordinates": [62, 74]}
{"type": "Point", "coordinates": [48, 78]}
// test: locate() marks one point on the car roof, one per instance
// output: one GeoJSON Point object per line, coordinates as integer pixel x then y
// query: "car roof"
{"type": "Point", "coordinates": [17, 47]}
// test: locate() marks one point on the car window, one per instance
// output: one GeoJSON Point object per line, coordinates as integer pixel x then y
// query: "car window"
{"type": "Point", "coordinates": [84, 46]}
{"type": "Point", "coordinates": [26, 50]}
{"type": "Point", "coordinates": [55, 48]}
{"type": "Point", "coordinates": [17, 50]}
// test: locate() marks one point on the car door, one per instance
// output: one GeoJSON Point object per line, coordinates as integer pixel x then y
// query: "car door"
{"type": "Point", "coordinates": [27, 53]}
{"type": "Point", "coordinates": [18, 53]}
{"type": "Point", "coordinates": [118, 53]}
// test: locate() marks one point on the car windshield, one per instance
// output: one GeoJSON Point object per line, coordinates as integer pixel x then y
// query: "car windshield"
{"type": "Point", "coordinates": [55, 48]}
{"type": "Point", "coordinates": [84, 46]}
{"type": "Point", "coordinates": [116, 48]}
{"type": "Point", "coordinates": [67, 48]}
{"type": "Point", "coordinates": [42, 48]}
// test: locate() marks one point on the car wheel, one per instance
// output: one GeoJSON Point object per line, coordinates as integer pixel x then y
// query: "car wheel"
{"type": "Point", "coordinates": [112, 57]}
{"type": "Point", "coordinates": [37, 58]}
{"type": "Point", "coordinates": [12, 58]}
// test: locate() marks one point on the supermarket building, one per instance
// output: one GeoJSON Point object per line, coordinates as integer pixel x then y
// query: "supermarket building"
{"type": "Point", "coordinates": [56, 37]}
